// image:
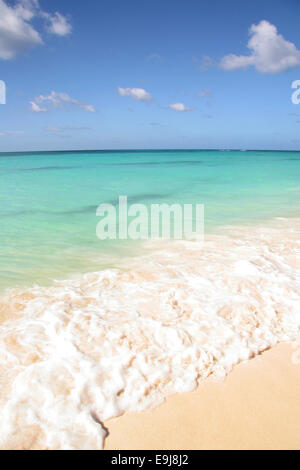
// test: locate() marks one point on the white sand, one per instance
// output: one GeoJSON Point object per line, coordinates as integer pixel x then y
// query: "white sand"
{"type": "Point", "coordinates": [256, 407]}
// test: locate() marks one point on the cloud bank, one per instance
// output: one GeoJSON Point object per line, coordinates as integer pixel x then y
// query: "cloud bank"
{"type": "Point", "coordinates": [17, 33]}
{"type": "Point", "coordinates": [57, 24]}
{"type": "Point", "coordinates": [42, 103]}
{"type": "Point", "coordinates": [269, 52]}
{"type": "Point", "coordinates": [138, 94]}
{"type": "Point", "coordinates": [180, 107]}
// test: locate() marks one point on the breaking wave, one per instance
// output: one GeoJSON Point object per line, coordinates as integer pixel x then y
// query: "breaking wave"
{"type": "Point", "coordinates": [90, 348]}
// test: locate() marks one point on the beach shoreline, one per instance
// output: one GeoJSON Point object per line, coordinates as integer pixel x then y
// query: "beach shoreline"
{"type": "Point", "coordinates": [255, 407]}
{"type": "Point", "coordinates": [121, 341]}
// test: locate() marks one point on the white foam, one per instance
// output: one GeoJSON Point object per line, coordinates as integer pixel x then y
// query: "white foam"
{"type": "Point", "coordinates": [84, 350]}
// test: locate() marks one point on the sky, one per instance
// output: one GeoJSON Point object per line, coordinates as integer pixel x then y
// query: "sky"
{"type": "Point", "coordinates": [112, 74]}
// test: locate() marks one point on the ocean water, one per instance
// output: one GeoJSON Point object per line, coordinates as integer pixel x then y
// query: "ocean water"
{"type": "Point", "coordinates": [91, 329]}
{"type": "Point", "coordinates": [48, 201]}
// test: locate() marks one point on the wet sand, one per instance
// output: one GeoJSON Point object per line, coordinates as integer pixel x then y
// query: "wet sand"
{"type": "Point", "coordinates": [256, 407]}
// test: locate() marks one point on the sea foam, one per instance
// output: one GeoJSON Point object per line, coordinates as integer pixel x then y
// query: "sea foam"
{"type": "Point", "coordinates": [88, 349]}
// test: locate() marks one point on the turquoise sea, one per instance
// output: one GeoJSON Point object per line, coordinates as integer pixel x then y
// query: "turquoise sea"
{"type": "Point", "coordinates": [48, 201]}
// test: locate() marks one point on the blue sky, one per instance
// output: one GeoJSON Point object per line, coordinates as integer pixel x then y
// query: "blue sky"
{"type": "Point", "coordinates": [139, 74]}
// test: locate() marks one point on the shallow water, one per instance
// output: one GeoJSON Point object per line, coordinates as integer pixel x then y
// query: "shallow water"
{"type": "Point", "coordinates": [48, 201]}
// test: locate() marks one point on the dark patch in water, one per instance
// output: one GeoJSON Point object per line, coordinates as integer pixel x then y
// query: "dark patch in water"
{"type": "Point", "coordinates": [22, 212]}
{"type": "Point", "coordinates": [141, 197]}
{"type": "Point", "coordinates": [47, 168]}
{"type": "Point", "coordinates": [88, 209]}
{"type": "Point", "coordinates": [159, 162]}
{"type": "Point", "coordinates": [80, 210]}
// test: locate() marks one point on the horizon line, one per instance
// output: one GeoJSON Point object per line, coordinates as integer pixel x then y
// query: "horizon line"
{"type": "Point", "coordinates": [111, 150]}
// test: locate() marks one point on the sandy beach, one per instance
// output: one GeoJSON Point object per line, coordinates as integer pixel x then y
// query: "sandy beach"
{"type": "Point", "coordinates": [256, 407]}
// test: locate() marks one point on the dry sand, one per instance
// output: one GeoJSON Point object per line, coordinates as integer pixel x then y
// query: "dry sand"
{"type": "Point", "coordinates": [256, 407]}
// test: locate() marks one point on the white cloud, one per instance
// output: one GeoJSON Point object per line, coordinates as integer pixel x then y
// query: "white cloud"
{"type": "Point", "coordinates": [204, 92]}
{"type": "Point", "coordinates": [270, 52]}
{"type": "Point", "coordinates": [138, 94]}
{"type": "Point", "coordinates": [36, 108]}
{"type": "Point", "coordinates": [180, 107]}
{"type": "Point", "coordinates": [57, 24]}
{"type": "Point", "coordinates": [57, 100]}
{"type": "Point", "coordinates": [17, 33]}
